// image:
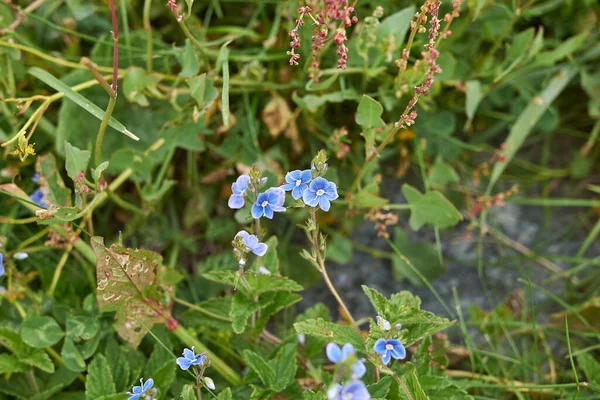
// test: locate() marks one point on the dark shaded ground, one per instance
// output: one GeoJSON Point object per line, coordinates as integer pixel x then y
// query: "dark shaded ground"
{"type": "Point", "coordinates": [560, 234]}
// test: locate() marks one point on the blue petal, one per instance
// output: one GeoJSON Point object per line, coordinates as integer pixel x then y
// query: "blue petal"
{"type": "Point", "coordinates": [1, 264]}
{"type": "Point", "coordinates": [379, 346]}
{"type": "Point", "coordinates": [399, 352]}
{"type": "Point", "coordinates": [324, 203]}
{"type": "Point", "coordinates": [357, 391]}
{"type": "Point", "coordinates": [346, 351]}
{"type": "Point", "coordinates": [293, 176]}
{"type": "Point", "coordinates": [387, 357]}
{"type": "Point", "coordinates": [288, 186]}
{"type": "Point", "coordinates": [262, 197]}
{"type": "Point", "coordinates": [331, 191]}
{"type": "Point", "coordinates": [277, 208]}
{"type": "Point", "coordinates": [268, 212]}
{"type": "Point", "coordinates": [334, 353]}
{"type": "Point", "coordinates": [394, 342]}
{"type": "Point", "coordinates": [243, 235]}
{"type": "Point", "coordinates": [189, 354]}
{"type": "Point", "coordinates": [250, 241]}
{"type": "Point", "coordinates": [183, 363]}
{"type": "Point", "coordinates": [240, 185]}
{"type": "Point", "coordinates": [137, 390]}
{"type": "Point", "coordinates": [276, 196]}
{"type": "Point", "coordinates": [257, 211]}
{"type": "Point", "coordinates": [310, 197]}
{"type": "Point", "coordinates": [260, 249]}
{"type": "Point", "coordinates": [236, 201]}
{"type": "Point", "coordinates": [298, 190]}
{"type": "Point", "coordinates": [318, 183]}
{"type": "Point", "coordinates": [358, 370]}
{"type": "Point", "coordinates": [149, 383]}
{"type": "Point", "coordinates": [305, 177]}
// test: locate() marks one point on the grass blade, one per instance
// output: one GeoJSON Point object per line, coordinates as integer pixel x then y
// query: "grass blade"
{"type": "Point", "coordinates": [78, 99]}
{"type": "Point", "coordinates": [528, 118]}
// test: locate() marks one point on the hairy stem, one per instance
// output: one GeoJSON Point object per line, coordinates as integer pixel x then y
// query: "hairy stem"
{"type": "Point", "coordinates": [321, 262]}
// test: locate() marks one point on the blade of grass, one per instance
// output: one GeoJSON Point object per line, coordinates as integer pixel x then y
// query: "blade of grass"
{"type": "Point", "coordinates": [589, 239]}
{"type": "Point", "coordinates": [225, 90]}
{"type": "Point", "coordinates": [571, 356]}
{"type": "Point", "coordinates": [78, 99]}
{"type": "Point", "coordinates": [527, 120]}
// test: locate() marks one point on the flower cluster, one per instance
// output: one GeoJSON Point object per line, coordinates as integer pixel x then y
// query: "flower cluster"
{"type": "Point", "coordinates": [144, 392]}
{"type": "Point", "coordinates": [388, 347]}
{"type": "Point", "coordinates": [334, 11]}
{"type": "Point", "coordinates": [347, 366]}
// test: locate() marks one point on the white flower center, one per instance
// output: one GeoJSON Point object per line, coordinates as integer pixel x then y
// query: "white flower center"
{"type": "Point", "coordinates": [264, 203]}
{"type": "Point", "coordinates": [320, 192]}
{"type": "Point", "coordinates": [389, 347]}
{"type": "Point", "coordinates": [298, 182]}
{"type": "Point", "coordinates": [348, 396]}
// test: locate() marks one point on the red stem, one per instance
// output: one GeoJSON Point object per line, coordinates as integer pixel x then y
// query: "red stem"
{"type": "Point", "coordinates": [115, 33]}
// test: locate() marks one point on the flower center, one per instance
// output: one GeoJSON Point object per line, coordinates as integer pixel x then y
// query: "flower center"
{"type": "Point", "coordinates": [298, 182]}
{"type": "Point", "coordinates": [320, 192]}
{"type": "Point", "coordinates": [264, 203]}
{"type": "Point", "coordinates": [347, 396]}
{"type": "Point", "coordinates": [389, 347]}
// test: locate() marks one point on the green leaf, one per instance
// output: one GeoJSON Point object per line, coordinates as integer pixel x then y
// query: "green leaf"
{"type": "Point", "coordinates": [97, 172]}
{"type": "Point", "coordinates": [82, 327]}
{"type": "Point", "coordinates": [71, 356]}
{"type": "Point", "coordinates": [430, 208]}
{"type": "Point", "coordinates": [188, 61]}
{"type": "Point", "coordinates": [412, 382]}
{"type": "Point", "coordinates": [260, 366]}
{"type": "Point", "coordinates": [203, 91]}
{"type": "Point", "coordinates": [258, 283]}
{"type": "Point", "coordinates": [99, 380]}
{"type": "Point", "coordinates": [136, 83]}
{"type": "Point", "coordinates": [397, 25]}
{"type": "Point", "coordinates": [341, 334]}
{"type": "Point", "coordinates": [381, 388]}
{"type": "Point", "coordinates": [76, 159]}
{"type": "Point", "coordinates": [339, 248]}
{"type": "Point", "coordinates": [527, 120]}
{"type": "Point", "coordinates": [520, 44]}
{"type": "Point", "coordinates": [188, 392]}
{"type": "Point", "coordinates": [41, 332]}
{"type": "Point", "coordinates": [270, 260]}
{"type": "Point", "coordinates": [285, 367]}
{"type": "Point", "coordinates": [10, 364]}
{"type": "Point", "coordinates": [225, 395]}
{"type": "Point", "coordinates": [590, 367]}
{"type": "Point", "coordinates": [78, 99]}
{"type": "Point", "coordinates": [241, 308]}
{"type": "Point", "coordinates": [118, 365]}
{"type": "Point", "coordinates": [369, 113]}
{"type": "Point", "coordinates": [474, 96]}
{"type": "Point", "coordinates": [50, 179]}
{"type": "Point", "coordinates": [442, 173]}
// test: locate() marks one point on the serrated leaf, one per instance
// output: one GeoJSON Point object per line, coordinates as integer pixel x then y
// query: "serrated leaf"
{"type": "Point", "coordinates": [76, 159]}
{"type": "Point", "coordinates": [118, 365]}
{"type": "Point", "coordinates": [341, 334]}
{"type": "Point", "coordinates": [71, 356]}
{"type": "Point", "coordinates": [41, 332]}
{"type": "Point", "coordinates": [285, 367]}
{"type": "Point", "coordinates": [125, 277]}
{"type": "Point", "coordinates": [203, 91]}
{"type": "Point", "coordinates": [99, 380]}
{"type": "Point", "coordinates": [411, 380]}
{"type": "Point", "coordinates": [10, 364]}
{"type": "Point", "coordinates": [225, 395]}
{"type": "Point", "coordinates": [368, 114]}
{"type": "Point", "coordinates": [258, 283]}
{"type": "Point", "coordinates": [430, 208]}
{"type": "Point", "coordinates": [260, 366]}
{"type": "Point", "coordinates": [78, 99]}
{"type": "Point", "coordinates": [381, 388]}
{"type": "Point", "coordinates": [241, 308]}
{"type": "Point", "coordinates": [188, 392]}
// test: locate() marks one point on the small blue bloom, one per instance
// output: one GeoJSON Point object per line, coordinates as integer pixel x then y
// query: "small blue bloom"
{"type": "Point", "coordinates": [389, 348]}
{"type": "Point", "coordinates": [337, 355]}
{"type": "Point", "coordinates": [35, 178]}
{"type": "Point", "coordinates": [297, 182]}
{"type": "Point", "coordinates": [38, 198]}
{"type": "Point", "coordinates": [143, 389]}
{"type": "Point", "coordinates": [355, 390]}
{"type": "Point", "coordinates": [252, 243]}
{"type": "Point", "coordinates": [238, 189]}
{"type": "Point", "coordinates": [320, 192]}
{"type": "Point", "coordinates": [190, 358]}
{"type": "Point", "coordinates": [269, 202]}
{"type": "Point", "coordinates": [1, 264]}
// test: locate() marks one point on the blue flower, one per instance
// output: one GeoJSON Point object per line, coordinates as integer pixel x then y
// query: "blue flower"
{"type": "Point", "coordinates": [337, 355]}
{"type": "Point", "coordinates": [389, 348]}
{"type": "Point", "coordinates": [355, 390]}
{"type": "Point", "coordinates": [320, 192]}
{"type": "Point", "coordinates": [297, 182]}
{"type": "Point", "coordinates": [238, 189]}
{"type": "Point", "coordinates": [38, 198]}
{"type": "Point", "coordinates": [190, 358]}
{"type": "Point", "coordinates": [252, 243]}
{"type": "Point", "coordinates": [138, 391]}
{"type": "Point", "coordinates": [1, 264]}
{"type": "Point", "coordinates": [269, 202]}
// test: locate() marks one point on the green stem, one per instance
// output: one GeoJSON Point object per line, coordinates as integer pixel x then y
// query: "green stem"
{"type": "Point", "coordinates": [219, 365]}
{"type": "Point", "coordinates": [148, 29]}
{"type": "Point", "coordinates": [100, 137]}
{"type": "Point", "coordinates": [202, 310]}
